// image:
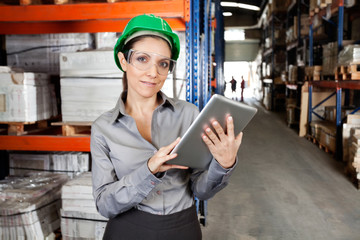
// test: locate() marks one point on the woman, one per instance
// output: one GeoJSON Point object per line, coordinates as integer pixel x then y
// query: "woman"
{"type": "Point", "coordinates": [143, 197]}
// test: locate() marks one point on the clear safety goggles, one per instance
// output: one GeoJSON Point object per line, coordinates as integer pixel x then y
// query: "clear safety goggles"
{"type": "Point", "coordinates": [145, 60]}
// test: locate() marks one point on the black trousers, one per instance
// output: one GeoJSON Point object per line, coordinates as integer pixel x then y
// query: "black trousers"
{"type": "Point", "coordinates": [139, 225]}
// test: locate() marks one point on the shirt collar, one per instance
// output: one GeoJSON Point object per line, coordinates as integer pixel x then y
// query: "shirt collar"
{"type": "Point", "coordinates": [119, 109]}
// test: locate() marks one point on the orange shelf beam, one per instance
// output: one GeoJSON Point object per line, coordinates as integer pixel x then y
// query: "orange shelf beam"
{"type": "Point", "coordinates": [89, 26]}
{"type": "Point", "coordinates": [91, 11]}
{"type": "Point", "coordinates": [45, 143]}
{"type": "Point", "coordinates": [87, 17]}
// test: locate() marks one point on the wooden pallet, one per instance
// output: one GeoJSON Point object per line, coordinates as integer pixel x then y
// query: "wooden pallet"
{"type": "Point", "coordinates": [74, 128]}
{"type": "Point", "coordinates": [348, 72]}
{"type": "Point", "coordinates": [22, 128]}
{"type": "Point", "coordinates": [40, 2]}
{"type": "Point", "coordinates": [320, 145]}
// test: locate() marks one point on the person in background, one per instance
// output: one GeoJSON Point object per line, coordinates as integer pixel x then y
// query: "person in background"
{"type": "Point", "coordinates": [233, 84]}
{"type": "Point", "coordinates": [133, 186]}
{"type": "Point", "coordinates": [242, 88]}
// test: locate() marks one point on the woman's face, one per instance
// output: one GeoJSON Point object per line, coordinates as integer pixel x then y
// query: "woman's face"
{"type": "Point", "coordinates": [146, 83]}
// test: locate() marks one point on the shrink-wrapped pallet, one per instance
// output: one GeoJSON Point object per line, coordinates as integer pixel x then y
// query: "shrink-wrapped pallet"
{"type": "Point", "coordinates": [40, 52]}
{"type": "Point", "coordinates": [29, 206]}
{"type": "Point", "coordinates": [79, 216]}
{"type": "Point", "coordinates": [26, 96]}
{"type": "Point", "coordinates": [85, 99]}
{"type": "Point", "coordinates": [70, 163]}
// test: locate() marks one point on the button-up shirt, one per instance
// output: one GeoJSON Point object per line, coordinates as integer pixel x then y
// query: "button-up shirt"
{"type": "Point", "coordinates": [121, 177]}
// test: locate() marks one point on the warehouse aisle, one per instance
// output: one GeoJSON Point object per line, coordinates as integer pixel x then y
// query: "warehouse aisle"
{"type": "Point", "coordinates": [284, 188]}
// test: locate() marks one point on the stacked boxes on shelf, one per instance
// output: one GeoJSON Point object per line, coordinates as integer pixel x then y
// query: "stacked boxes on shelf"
{"type": "Point", "coordinates": [351, 146]}
{"type": "Point", "coordinates": [29, 207]}
{"type": "Point", "coordinates": [70, 163]}
{"type": "Point", "coordinates": [40, 52]}
{"type": "Point", "coordinates": [355, 153]}
{"type": "Point", "coordinates": [330, 58]}
{"type": "Point", "coordinates": [26, 96]}
{"type": "Point", "coordinates": [79, 217]}
{"type": "Point", "coordinates": [90, 84]}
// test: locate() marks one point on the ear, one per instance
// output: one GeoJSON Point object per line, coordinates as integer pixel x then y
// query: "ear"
{"type": "Point", "coordinates": [122, 61]}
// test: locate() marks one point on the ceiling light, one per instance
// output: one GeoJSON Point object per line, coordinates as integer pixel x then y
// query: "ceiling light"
{"type": "Point", "coordinates": [240, 5]}
{"type": "Point", "coordinates": [229, 4]}
{"type": "Point", "coordinates": [227, 14]}
{"type": "Point", "coordinates": [249, 7]}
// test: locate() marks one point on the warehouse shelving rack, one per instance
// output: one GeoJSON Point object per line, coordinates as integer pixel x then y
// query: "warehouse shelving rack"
{"type": "Point", "coordinates": [338, 85]}
{"type": "Point", "coordinates": [182, 15]}
{"type": "Point", "coordinates": [277, 90]}
{"type": "Point", "coordinates": [293, 50]}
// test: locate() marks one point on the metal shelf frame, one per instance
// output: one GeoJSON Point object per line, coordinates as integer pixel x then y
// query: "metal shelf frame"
{"type": "Point", "coordinates": [338, 85]}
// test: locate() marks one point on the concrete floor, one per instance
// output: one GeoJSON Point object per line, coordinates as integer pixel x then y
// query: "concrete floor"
{"type": "Point", "coordinates": [284, 187]}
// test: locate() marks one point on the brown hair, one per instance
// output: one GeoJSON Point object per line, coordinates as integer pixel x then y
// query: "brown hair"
{"type": "Point", "coordinates": [129, 46]}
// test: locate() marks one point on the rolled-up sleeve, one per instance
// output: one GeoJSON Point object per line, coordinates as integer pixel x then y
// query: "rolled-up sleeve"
{"type": "Point", "coordinates": [112, 195]}
{"type": "Point", "coordinates": [205, 184]}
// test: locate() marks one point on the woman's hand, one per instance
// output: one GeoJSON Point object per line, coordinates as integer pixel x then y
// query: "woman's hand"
{"type": "Point", "coordinates": [158, 162]}
{"type": "Point", "coordinates": [225, 147]}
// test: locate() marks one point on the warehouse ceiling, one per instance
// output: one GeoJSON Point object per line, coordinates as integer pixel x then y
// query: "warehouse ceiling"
{"type": "Point", "coordinates": [242, 17]}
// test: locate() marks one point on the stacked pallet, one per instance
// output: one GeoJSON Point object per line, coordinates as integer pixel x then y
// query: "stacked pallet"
{"type": "Point", "coordinates": [40, 52]}
{"type": "Point", "coordinates": [90, 84]}
{"type": "Point", "coordinates": [70, 163]}
{"type": "Point", "coordinates": [349, 63]}
{"type": "Point", "coordinates": [79, 217]}
{"type": "Point", "coordinates": [25, 96]}
{"type": "Point", "coordinates": [351, 147]}
{"type": "Point", "coordinates": [29, 206]}
{"type": "Point", "coordinates": [355, 154]}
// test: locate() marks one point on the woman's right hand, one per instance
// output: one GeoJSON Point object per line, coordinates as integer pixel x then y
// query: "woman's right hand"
{"type": "Point", "coordinates": [157, 163]}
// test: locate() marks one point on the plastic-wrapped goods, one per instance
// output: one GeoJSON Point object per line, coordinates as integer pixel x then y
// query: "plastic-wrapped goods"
{"type": "Point", "coordinates": [91, 64]}
{"type": "Point", "coordinates": [40, 52]}
{"type": "Point", "coordinates": [329, 59]}
{"type": "Point", "coordinates": [29, 206]}
{"type": "Point", "coordinates": [105, 40]}
{"type": "Point", "coordinates": [79, 217]}
{"type": "Point", "coordinates": [293, 74]}
{"type": "Point", "coordinates": [26, 96]}
{"type": "Point", "coordinates": [85, 99]}
{"type": "Point", "coordinates": [350, 54]}
{"type": "Point", "coordinates": [70, 163]}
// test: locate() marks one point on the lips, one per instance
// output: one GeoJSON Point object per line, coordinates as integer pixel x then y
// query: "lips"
{"type": "Point", "coordinates": [150, 84]}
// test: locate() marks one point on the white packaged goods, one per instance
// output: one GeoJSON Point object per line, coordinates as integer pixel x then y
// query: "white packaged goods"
{"type": "Point", "coordinates": [29, 207]}
{"type": "Point", "coordinates": [105, 40]}
{"type": "Point", "coordinates": [350, 54]}
{"type": "Point", "coordinates": [40, 52]}
{"type": "Point", "coordinates": [329, 60]}
{"type": "Point", "coordinates": [70, 163]}
{"type": "Point", "coordinates": [26, 96]}
{"type": "Point", "coordinates": [85, 99]}
{"type": "Point", "coordinates": [98, 64]}
{"type": "Point", "coordinates": [79, 217]}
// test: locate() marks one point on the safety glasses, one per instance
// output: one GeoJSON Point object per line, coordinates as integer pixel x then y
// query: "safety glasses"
{"type": "Point", "coordinates": [145, 60]}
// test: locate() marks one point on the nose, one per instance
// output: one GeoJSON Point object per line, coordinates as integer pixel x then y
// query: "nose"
{"type": "Point", "coordinates": [152, 71]}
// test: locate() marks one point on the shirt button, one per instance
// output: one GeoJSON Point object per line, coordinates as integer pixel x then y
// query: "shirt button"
{"type": "Point", "coordinates": [152, 183]}
{"type": "Point", "coordinates": [158, 192]}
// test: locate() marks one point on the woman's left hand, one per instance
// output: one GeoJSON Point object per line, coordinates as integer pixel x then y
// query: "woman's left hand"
{"type": "Point", "coordinates": [223, 147]}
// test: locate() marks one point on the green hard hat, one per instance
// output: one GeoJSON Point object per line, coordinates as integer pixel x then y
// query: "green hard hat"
{"type": "Point", "coordinates": [148, 23]}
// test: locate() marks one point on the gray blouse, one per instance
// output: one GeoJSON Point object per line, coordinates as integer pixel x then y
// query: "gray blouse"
{"type": "Point", "coordinates": [121, 178]}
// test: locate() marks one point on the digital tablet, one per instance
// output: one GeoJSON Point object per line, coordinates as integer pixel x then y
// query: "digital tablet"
{"type": "Point", "coordinates": [191, 150]}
